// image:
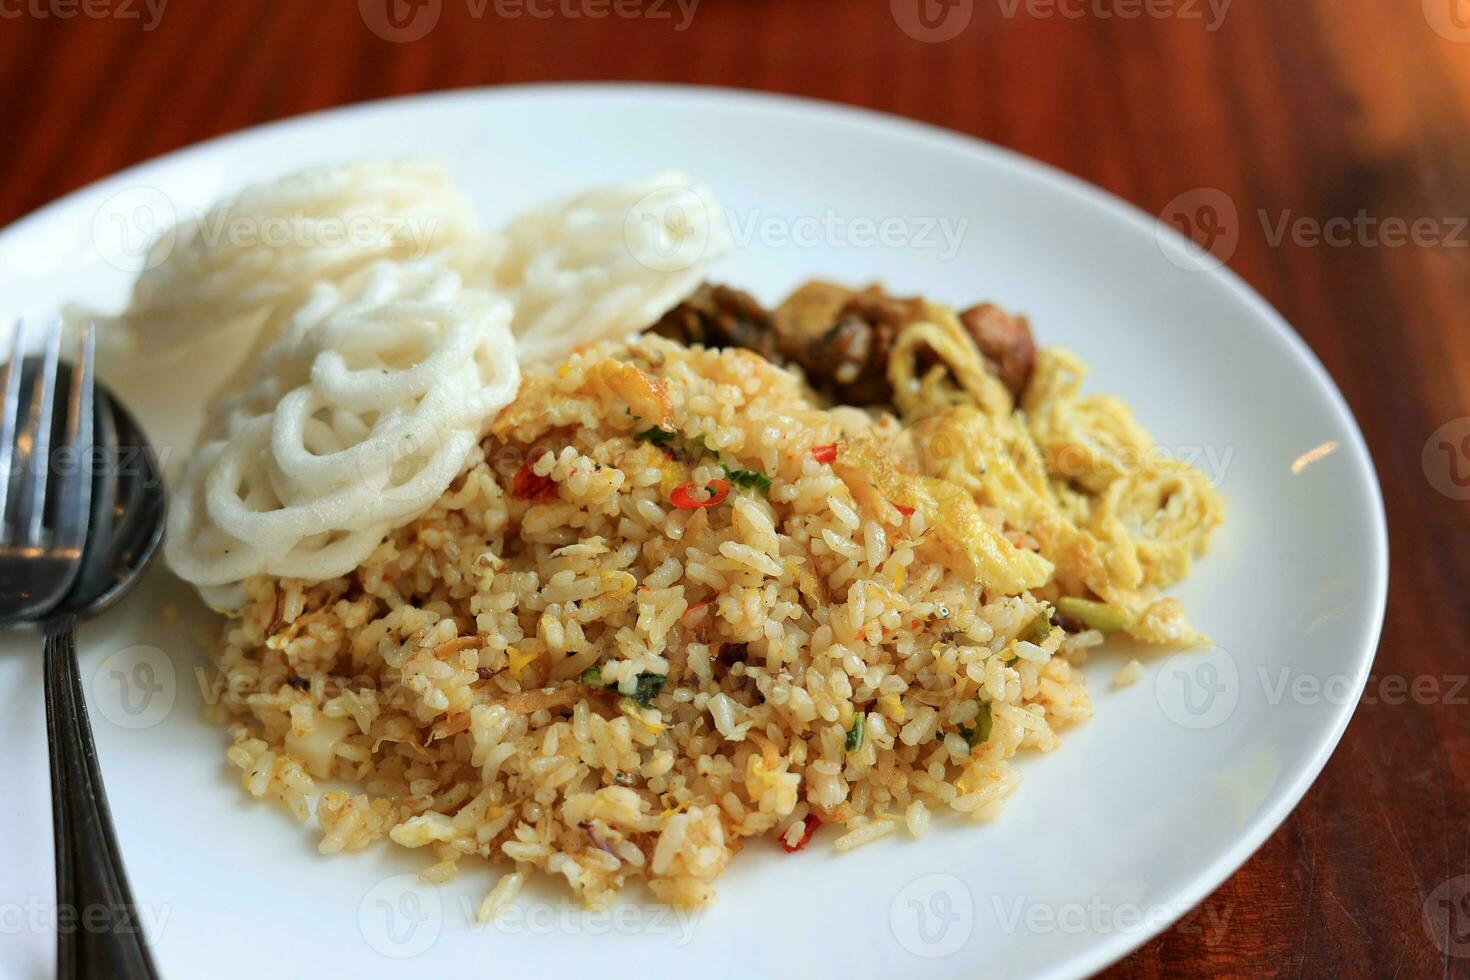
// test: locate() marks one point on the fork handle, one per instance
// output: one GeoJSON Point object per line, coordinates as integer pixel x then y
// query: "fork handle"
{"type": "Point", "coordinates": [99, 933]}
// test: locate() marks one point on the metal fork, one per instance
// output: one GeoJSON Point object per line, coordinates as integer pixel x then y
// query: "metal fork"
{"type": "Point", "coordinates": [44, 508]}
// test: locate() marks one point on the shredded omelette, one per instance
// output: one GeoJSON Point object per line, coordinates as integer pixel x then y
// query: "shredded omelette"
{"type": "Point", "coordinates": [1113, 518]}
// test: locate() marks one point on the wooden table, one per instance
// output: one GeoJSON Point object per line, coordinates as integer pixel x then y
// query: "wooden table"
{"type": "Point", "coordinates": [1296, 109]}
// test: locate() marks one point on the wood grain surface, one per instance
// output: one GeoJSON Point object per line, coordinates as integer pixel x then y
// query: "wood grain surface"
{"type": "Point", "coordinates": [1302, 111]}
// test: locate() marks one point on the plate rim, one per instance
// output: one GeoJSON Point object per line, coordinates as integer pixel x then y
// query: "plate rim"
{"type": "Point", "coordinates": [1110, 947]}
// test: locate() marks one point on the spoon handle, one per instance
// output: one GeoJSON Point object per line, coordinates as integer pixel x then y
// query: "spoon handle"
{"type": "Point", "coordinates": [99, 933]}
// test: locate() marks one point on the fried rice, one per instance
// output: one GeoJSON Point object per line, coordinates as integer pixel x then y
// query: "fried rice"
{"type": "Point", "coordinates": [651, 620]}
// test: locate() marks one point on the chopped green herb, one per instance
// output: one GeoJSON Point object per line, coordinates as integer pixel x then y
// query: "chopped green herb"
{"type": "Point", "coordinates": [983, 725]}
{"type": "Point", "coordinates": [980, 734]}
{"type": "Point", "coordinates": [1040, 627]}
{"type": "Point", "coordinates": [655, 435]}
{"type": "Point", "coordinates": [855, 733]}
{"type": "Point", "coordinates": [1097, 615]}
{"type": "Point", "coordinates": [692, 448]}
{"type": "Point", "coordinates": [675, 446]}
{"type": "Point", "coordinates": [749, 479]}
{"type": "Point", "coordinates": [645, 689]}
{"type": "Point", "coordinates": [648, 686]}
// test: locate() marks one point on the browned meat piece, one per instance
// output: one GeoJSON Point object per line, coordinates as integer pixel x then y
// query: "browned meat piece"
{"type": "Point", "coordinates": [718, 316]}
{"type": "Point", "coordinates": [1006, 341]}
{"type": "Point", "coordinates": [842, 338]}
{"type": "Point", "coordinates": [1068, 622]}
{"type": "Point", "coordinates": [811, 311]}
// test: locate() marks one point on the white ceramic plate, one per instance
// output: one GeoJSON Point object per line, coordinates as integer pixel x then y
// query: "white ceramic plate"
{"type": "Point", "coordinates": [1135, 819]}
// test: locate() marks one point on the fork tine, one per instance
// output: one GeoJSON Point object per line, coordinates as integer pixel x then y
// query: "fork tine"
{"type": "Point", "coordinates": [8, 408]}
{"type": "Point", "coordinates": [75, 485]}
{"type": "Point", "coordinates": [38, 429]}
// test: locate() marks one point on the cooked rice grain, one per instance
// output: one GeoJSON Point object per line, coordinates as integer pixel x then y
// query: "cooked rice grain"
{"type": "Point", "coordinates": [606, 687]}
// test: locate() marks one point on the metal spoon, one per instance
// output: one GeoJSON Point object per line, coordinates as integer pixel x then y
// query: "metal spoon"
{"type": "Point", "coordinates": [128, 508]}
{"type": "Point", "coordinates": [128, 505]}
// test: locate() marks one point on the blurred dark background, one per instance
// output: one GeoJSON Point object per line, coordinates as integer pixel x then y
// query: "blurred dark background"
{"type": "Point", "coordinates": [1344, 116]}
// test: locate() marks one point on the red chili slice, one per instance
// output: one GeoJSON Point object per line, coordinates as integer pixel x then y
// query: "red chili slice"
{"type": "Point", "coordinates": [682, 496]}
{"type": "Point", "coordinates": [905, 511]}
{"type": "Point", "coordinates": [812, 823]}
{"type": "Point", "coordinates": [528, 486]}
{"type": "Point", "coordinates": [694, 613]}
{"type": "Point", "coordinates": [825, 454]}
